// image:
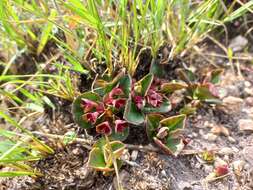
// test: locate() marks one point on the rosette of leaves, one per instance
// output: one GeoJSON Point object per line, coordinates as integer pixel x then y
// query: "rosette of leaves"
{"type": "Point", "coordinates": [145, 98]}
{"type": "Point", "coordinates": [102, 154]}
{"type": "Point", "coordinates": [196, 90]}
{"type": "Point", "coordinates": [204, 90]}
{"type": "Point", "coordinates": [103, 108]}
{"type": "Point", "coordinates": [166, 132]}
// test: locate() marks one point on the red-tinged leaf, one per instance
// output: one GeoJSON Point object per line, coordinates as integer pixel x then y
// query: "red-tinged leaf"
{"type": "Point", "coordinates": [174, 123]}
{"type": "Point", "coordinates": [162, 133]}
{"type": "Point", "coordinates": [152, 124]}
{"type": "Point", "coordinates": [171, 146]}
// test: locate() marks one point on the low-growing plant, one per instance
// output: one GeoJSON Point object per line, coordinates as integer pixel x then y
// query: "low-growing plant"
{"type": "Point", "coordinates": [114, 107]}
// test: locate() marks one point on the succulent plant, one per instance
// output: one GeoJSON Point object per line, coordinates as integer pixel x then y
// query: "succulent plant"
{"type": "Point", "coordinates": [113, 107]}
{"type": "Point", "coordinates": [166, 132]}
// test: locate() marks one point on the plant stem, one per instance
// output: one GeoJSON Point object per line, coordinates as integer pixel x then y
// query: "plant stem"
{"type": "Point", "coordinates": [114, 164]}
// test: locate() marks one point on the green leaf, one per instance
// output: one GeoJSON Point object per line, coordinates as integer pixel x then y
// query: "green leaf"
{"type": "Point", "coordinates": [117, 148]}
{"type": "Point", "coordinates": [187, 75]}
{"type": "Point", "coordinates": [97, 160]}
{"type": "Point", "coordinates": [16, 173]}
{"type": "Point", "coordinates": [143, 85]}
{"type": "Point", "coordinates": [188, 110]}
{"type": "Point", "coordinates": [132, 114]}
{"type": "Point", "coordinates": [171, 146]}
{"type": "Point", "coordinates": [77, 110]}
{"type": "Point", "coordinates": [156, 69]}
{"type": "Point", "coordinates": [119, 136]}
{"type": "Point", "coordinates": [174, 123]}
{"type": "Point", "coordinates": [164, 108]}
{"type": "Point", "coordinates": [152, 124]}
{"type": "Point", "coordinates": [125, 84]}
{"type": "Point", "coordinates": [215, 76]}
{"type": "Point", "coordinates": [46, 32]}
{"type": "Point", "coordinates": [203, 92]}
{"type": "Point", "coordinates": [172, 87]}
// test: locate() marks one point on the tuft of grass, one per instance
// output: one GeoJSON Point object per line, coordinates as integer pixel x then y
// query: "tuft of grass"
{"type": "Point", "coordinates": [16, 149]}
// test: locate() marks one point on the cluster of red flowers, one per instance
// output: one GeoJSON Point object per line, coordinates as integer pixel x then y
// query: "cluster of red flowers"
{"type": "Point", "coordinates": [153, 98]}
{"type": "Point", "coordinates": [93, 111]}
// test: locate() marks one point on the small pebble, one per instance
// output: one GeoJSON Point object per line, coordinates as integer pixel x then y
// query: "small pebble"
{"type": "Point", "coordinates": [231, 139]}
{"type": "Point", "coordinates": [210, 137]}
{"type": "Point", "coordinates": [245, 125]}
{"type": "Point", "coordinates": [226, 151]}
{"type": "Point", "coordinates": [134, 155]}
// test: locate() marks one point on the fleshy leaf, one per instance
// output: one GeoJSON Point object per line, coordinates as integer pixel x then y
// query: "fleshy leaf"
{"type": "Point", "coordinates": [171, 146]}
{"type": "Point", "coordinates": [125, 84]}
{"type": "Point", "coordinates": [172, 87]}
{"type": "Point", "coordinates": [103, 87]}
{"type": "Point", "coordinates": [205, 91]}
{"type": "Point", "coordinates": [143, 85]}
{"type": "Point", "coordinates": [174, 123]}
{"type": "Point", "coordinates": [164, 107]}
{"type": "Point", "coordinates": [78, 111]}
{"type": "Point", "coordinates": [188, 110]}
{"type": "Point", "coordinates": [187, 75]}
{"type": "Point", "coordinates": [97, 160]}
{"type": "Point", "coordinates": [214, 76]}
{"type": "Point", "coordinates": [119, 136]}
{"type": "Point", "coordinates": [152, 123]}
{"type": "Point", "coordinates": [117, 148]}
{"type": "Point", "coordinates": [132, 114]}
{"type": "Point", "coordinates": [157, 69]}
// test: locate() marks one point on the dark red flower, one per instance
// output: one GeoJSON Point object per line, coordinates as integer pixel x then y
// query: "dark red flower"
{"type": "Point", "coordinates": [104, 128]}
{"type": "Point", "coordinates": [139, 102]}
{"type": "Point", "coordinates": [120, 125]}
{"type": "Point", "coordinates": [116, 92]}
{"type": "Point", "coordinates": [221, 170]}
{"type": "Point", "coordinates": [88, 105]}
{"type": "Point", "coordinates": [91, 117]}
{"type": "Point", "coordinates": [154, 98]}
{"type": "Point", "coordinates": [100, 108]}
{"type": "Point", "coordinates": [119, 103]}
{"type": "Point", "coordinates": [114, 98]}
